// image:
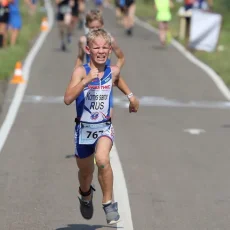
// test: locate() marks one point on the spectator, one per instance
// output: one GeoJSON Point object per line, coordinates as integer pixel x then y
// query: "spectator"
{"type": "Point", "coordinates": [4, 19]}
{"type": "Point", "coordinates": [203, 4]}
{"type": "Point", "coordinates": [188, 4]}
{"type": "Point", "coordinates": [15, 19]}
{"type": "Point", "coordinates": [163, 17]}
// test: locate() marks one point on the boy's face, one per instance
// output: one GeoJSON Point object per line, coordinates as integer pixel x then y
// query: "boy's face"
{"type": "Point", "coordinates": [99, 50]}
{"type": "Point", "coordinates": [95, 25]}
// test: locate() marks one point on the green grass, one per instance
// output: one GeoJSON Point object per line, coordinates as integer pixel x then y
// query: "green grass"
{"type": "Point", "coordinates": [218, 60]}
{"type": "Point", "coordinates": [10, 55]}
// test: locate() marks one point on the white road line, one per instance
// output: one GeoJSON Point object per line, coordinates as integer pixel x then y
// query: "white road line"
{"type": "Point", "coordinates": [20, 90]}
{"type": "Point", "coordinates": [121, 192]}
{"type": "Point", "coordinates": [122, 102]}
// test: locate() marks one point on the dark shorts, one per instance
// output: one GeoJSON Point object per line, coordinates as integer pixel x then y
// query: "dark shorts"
{"type": "Point", "coordinates": [75, 10]}
{"type": "Point", "coordinates": [98, 2]}
{"type": "Point", "coordinates": [61, 12]}
{"type": "Point", "coordinates": [188, 6]}
{"type": "Point", "coordinates": [15, 21]}
{"type": "Point", "coordinates": [124, 9]}
{"type": "Point", "coordinates": [86, 150]}
{"type": "Point", "coordinates": [4, 14]}
{"type": "Point", "coordinates": [60, 17]}
{"type": "Point", "coordinates": [129, 3]}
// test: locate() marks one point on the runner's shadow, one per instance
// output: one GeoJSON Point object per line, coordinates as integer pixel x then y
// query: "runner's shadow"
{"type": "Point", "coordinates": [159, 47]}
{"type": "Point", "coordinates": [70, 156]}
{"type": "Point", "coordinates": [61, 51]}
{"type": "Point", "coordinates": [86, 227]}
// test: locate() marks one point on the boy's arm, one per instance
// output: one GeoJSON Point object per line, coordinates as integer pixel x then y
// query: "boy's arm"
{"type": "Point", "coordinates": [76, 85]}
{"type": "Point", "coordinates": [118, 52]}
{"type": "Point", "coordinates": [121, 84]}
{"type": "Point", "coordinates": [78, 82]}
{"type": "Point", "coordinates": [81, 54]}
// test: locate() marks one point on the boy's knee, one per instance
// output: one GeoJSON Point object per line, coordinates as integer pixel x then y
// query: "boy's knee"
{"type": "Point", "coordinates": [103, 163]}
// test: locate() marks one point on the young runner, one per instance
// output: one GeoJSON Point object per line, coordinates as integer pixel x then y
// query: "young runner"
{"type": "Point", "coordinates": [91, 88]}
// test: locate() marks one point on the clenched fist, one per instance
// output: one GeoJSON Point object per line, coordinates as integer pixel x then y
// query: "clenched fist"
{"type": "Point", "coordinates": [92, 75]}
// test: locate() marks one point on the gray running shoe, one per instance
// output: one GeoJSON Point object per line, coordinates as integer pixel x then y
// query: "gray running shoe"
{"type": "Point", "coordinates": [111, 212]}
{"type": "Point", "coordinates": [86, 206]}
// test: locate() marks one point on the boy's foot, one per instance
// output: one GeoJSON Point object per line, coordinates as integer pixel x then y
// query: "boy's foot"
{"type": "Point", "coordinates": [86, 206]}
{"type": "Point", "coordinates": [111, 212]}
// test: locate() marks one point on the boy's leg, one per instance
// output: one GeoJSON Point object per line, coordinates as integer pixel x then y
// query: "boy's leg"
{"type": "Point", "coordinates": [105, 173]}
{"type": "Point", "coordinates": [85, 177]}
{"type": "Point", "coordinates": [85, 174]}
{"type": "Point", "coordinates": [105, 177]}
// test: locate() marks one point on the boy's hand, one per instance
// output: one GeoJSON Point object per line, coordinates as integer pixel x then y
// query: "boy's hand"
{"type": "Point", "coordinates": [92, 75]}
{"type": "Point", "coordinates": [133, 105]}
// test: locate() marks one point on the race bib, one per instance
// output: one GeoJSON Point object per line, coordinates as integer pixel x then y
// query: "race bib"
{"type": "Point", "coordinates": [89, 133]}
{"type": "Point", "coordinates": [65, 9]}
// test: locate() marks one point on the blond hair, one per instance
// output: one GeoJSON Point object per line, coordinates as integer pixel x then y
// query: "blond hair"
{"type": "Point", "coordinates": [98, 33]}
{"type": "Point", "coordinates": [93, 15]}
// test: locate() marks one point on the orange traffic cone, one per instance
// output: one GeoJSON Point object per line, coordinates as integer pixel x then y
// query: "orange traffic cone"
{"type": "Point", "coordinates": [44, 24]}
{"type": "Point", "coordinates": [17, 78]}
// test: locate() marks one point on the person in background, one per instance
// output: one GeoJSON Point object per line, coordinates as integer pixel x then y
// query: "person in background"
{"type": "Point", "coordinates": [99, 4]}
{"type": "Point", "coordinates": [75, 16]}
{"type": "Point", "coordinates": [15, 19]}
{"type": "Point", "coordinates": [203, 4]}
{"type": "Point", "coordinates": [119, 12]}
{"type": "Point", "coordinates": [64, 18]}
{"type": "Point", "coordinates": [4, 20]}
{"type": "Point", "coordinates": [163, 17]}
{"type": "Point", "coordinates": [94, 20]}
{"type": "Point", "coordinates": [188, 4]}
{"type": "Point", "coordinates": [129, 11]}
{"type": "Point", "coordinates": [81, 5]}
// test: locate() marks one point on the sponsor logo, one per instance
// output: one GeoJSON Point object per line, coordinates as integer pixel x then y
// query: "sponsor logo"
{"type": "Point", "coordinates": [94, 116]}
{"type": "Point", "coordinates": [98, 87]}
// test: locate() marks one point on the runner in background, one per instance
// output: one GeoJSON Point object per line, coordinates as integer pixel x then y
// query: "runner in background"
{"type": "Point", "coordinates": [4, 20]}
{"type": "Point", "coordinates": [163, 17]}
{"type": "Point", "coordinates": [128, 8]}
{"type": "Point", "coordinates": [119, 11]}
{"type": "Point", "coordinates": [99, 4]}
{"type": "Point", "coordinates": [81, 4]}
{"type": "Point", "coordinates": [75, 16]}
{"type": "Point", "coordinates": [64, 18]}
{"type": "Point", "coordinates": [94, 20]}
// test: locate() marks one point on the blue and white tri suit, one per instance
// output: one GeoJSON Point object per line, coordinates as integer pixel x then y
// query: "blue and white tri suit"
{"type": "Point", "coordinates": [93, 107]}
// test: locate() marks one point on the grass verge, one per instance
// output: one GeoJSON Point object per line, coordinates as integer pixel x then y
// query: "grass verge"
{"type": "Point", "coordinates": [10, 55]}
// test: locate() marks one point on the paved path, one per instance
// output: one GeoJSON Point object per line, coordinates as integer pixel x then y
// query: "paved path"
{"type": "Point", "coordinates": [175, 180]}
